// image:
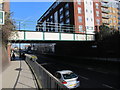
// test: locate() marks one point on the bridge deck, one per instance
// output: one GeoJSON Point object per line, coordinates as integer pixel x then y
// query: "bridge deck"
{"type": "Point", "coordinates": [34, 36]}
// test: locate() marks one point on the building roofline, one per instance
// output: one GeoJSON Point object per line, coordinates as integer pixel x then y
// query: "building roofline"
{"type": "Point", "coordinates": [52, 6]}
{"type": "Point", "coordinates": [47, 10]}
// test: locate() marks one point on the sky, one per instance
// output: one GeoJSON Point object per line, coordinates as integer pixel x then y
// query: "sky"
{"type": "Point", "coordinates": [27, 13]}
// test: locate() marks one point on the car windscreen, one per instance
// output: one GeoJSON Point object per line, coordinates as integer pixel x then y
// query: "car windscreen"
{"type": "Point", "coordinates": [69, 75]}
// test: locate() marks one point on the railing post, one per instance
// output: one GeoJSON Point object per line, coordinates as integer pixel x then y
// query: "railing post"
{"type": "Point", "coordinates": [86, 35]}
{"type": "Point", "coordinates": [74, 36]}
{"type": "Point", "coordinates": [24, 35]}
{"type": "Point", "coordinates": [43, 35]}
{"type": "Point", "coordinates": [60, 33]}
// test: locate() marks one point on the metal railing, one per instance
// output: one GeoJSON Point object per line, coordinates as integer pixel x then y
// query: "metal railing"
{"type": "Point", "coordinates": [56, 27]}
{"type": "Point", "coordinates": [63, 28]}
{"type": "Point", "coordinates": [44, 78]}
{"type": "Point", "coordinates": [103, 4]}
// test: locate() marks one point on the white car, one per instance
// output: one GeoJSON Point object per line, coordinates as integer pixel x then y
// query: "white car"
{"type": "Point", "coordinates": [68, 78]}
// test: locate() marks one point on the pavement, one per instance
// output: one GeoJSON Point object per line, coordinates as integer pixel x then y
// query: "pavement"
{"type": "Point", "coordinates": [18, 75]}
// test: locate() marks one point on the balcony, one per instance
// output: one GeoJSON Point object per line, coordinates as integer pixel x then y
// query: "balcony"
{"type": "Point", "coordinates": [105, 16]}
{"type": "Point", "coordinates": [104, 10]}
{"type": "Point", "coordinates": [104, 5]}
{"type": "Point", "coordinates": [105, 1]}
{"type": "Point", "coordinates": [105, 22]}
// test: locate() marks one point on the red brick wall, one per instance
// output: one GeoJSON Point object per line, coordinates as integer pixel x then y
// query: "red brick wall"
{"type": "Point", "coordinates": [76, 16]}
{"type": "Point", "coordinates": [6, 7]}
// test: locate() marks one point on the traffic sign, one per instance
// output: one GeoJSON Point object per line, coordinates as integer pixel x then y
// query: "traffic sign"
{"type": "Point", "coordinates": [1, 17]}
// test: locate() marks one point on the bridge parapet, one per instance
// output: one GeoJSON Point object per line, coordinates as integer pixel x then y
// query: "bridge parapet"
{"type": "Point", "coordinates": [46, 36]}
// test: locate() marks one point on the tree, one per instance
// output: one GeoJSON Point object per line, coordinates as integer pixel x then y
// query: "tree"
{"type": "Point", "coordinates": [7, 28]}
{"type": "Point", "coordinates": [105, 32]}
{"type": "Point", "coordinates": [5, 32]}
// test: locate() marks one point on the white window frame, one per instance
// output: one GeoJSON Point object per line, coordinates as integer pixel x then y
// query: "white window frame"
{"type": "Point", "coordinates": [97, 5]}
{"type": "Point", "coordinates": [79, 10]}
{"type": "Point", "coordinates": [97, 13]}
{"type": "Point", "coordinates": [79, 19]}
{"type": "Point", "coordinates": [79, 2]}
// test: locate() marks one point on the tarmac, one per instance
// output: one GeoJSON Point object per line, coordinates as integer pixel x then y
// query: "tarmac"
{"type": "Point", "coordinates": [18, 75]}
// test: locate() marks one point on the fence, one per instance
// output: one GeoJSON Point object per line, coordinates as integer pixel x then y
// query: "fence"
{"type": "Point", "coordinates": [44, 78]}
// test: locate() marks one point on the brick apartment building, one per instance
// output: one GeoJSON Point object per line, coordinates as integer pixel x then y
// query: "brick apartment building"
{"type": "Point", "coordinates": [5, 6]}
{"type": "Point", "coordinates": [79, 16]}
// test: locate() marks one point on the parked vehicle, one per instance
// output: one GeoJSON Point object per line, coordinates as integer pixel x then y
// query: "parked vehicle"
{"type": "Point", "coordinates": [68, 78]}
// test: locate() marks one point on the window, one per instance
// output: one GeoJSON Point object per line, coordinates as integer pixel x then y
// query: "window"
{"type": "Point", "coordinates": [1, 6]}
{"type": "Point", "coordinates": [111, 16]}
{"type": "Point", "coordinates": [97, 13]}
{"type": "Point", "coordinates": [56, 17]}
{"type": "Point", "coordinates": [48, 20]}
{"type": "Point", "coordinates": [67, 21]}
{"type": "Point", "coordinates": [98, 21]}
{"type": "Point", "coordinates": [115, 21]}
{"type": "Point", "coordinates": [80, 28]}
{"type": "Point", "coordinates": [69, 76]}
{"type": "Point", "coordinates": [79, 10]}
{"type": "Point", "coordinates": [113, 11]}
{"type": "Point", "coordinates": [51, 17]}
{"type": "Point", "coordinates": [90, 3]}
{"type": "Point", "coordinates": [44, 26]}
{"type": "Point", "coordinates": [110, 21]}
{"type": "Point", "coordinates": [79, 2]}
{"type": "Point", "coordinates": [61, 17]}
{"type": "Point", "coordinates": [97, 5]}
{"type": "Point", "coordinates": [61, 10]}
{"type": "Point", "coordinates": [87, 19]}
{"type": "Point", "coordinates": [114, 16]}
{"type": "Point", "coordinates": [89, 28]}
{"type": "Point", "coordinates": [79, 18]}
{"type": "Point", "coordinates": [67, 13]}
{"type": "Point", "coordinates": [91, 19]}
{"type": "Point", "coordinates": [86, 10]}
{"type": "Point", "coordinates": [62, 23]}
{"type": "Point", "coordinates": [91, 11]}
{"type": "Point", "coordinates": [67, 5]}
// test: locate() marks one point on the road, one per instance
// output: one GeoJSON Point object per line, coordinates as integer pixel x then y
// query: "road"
{"type": "Point", "coordinates": [90, 77]}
